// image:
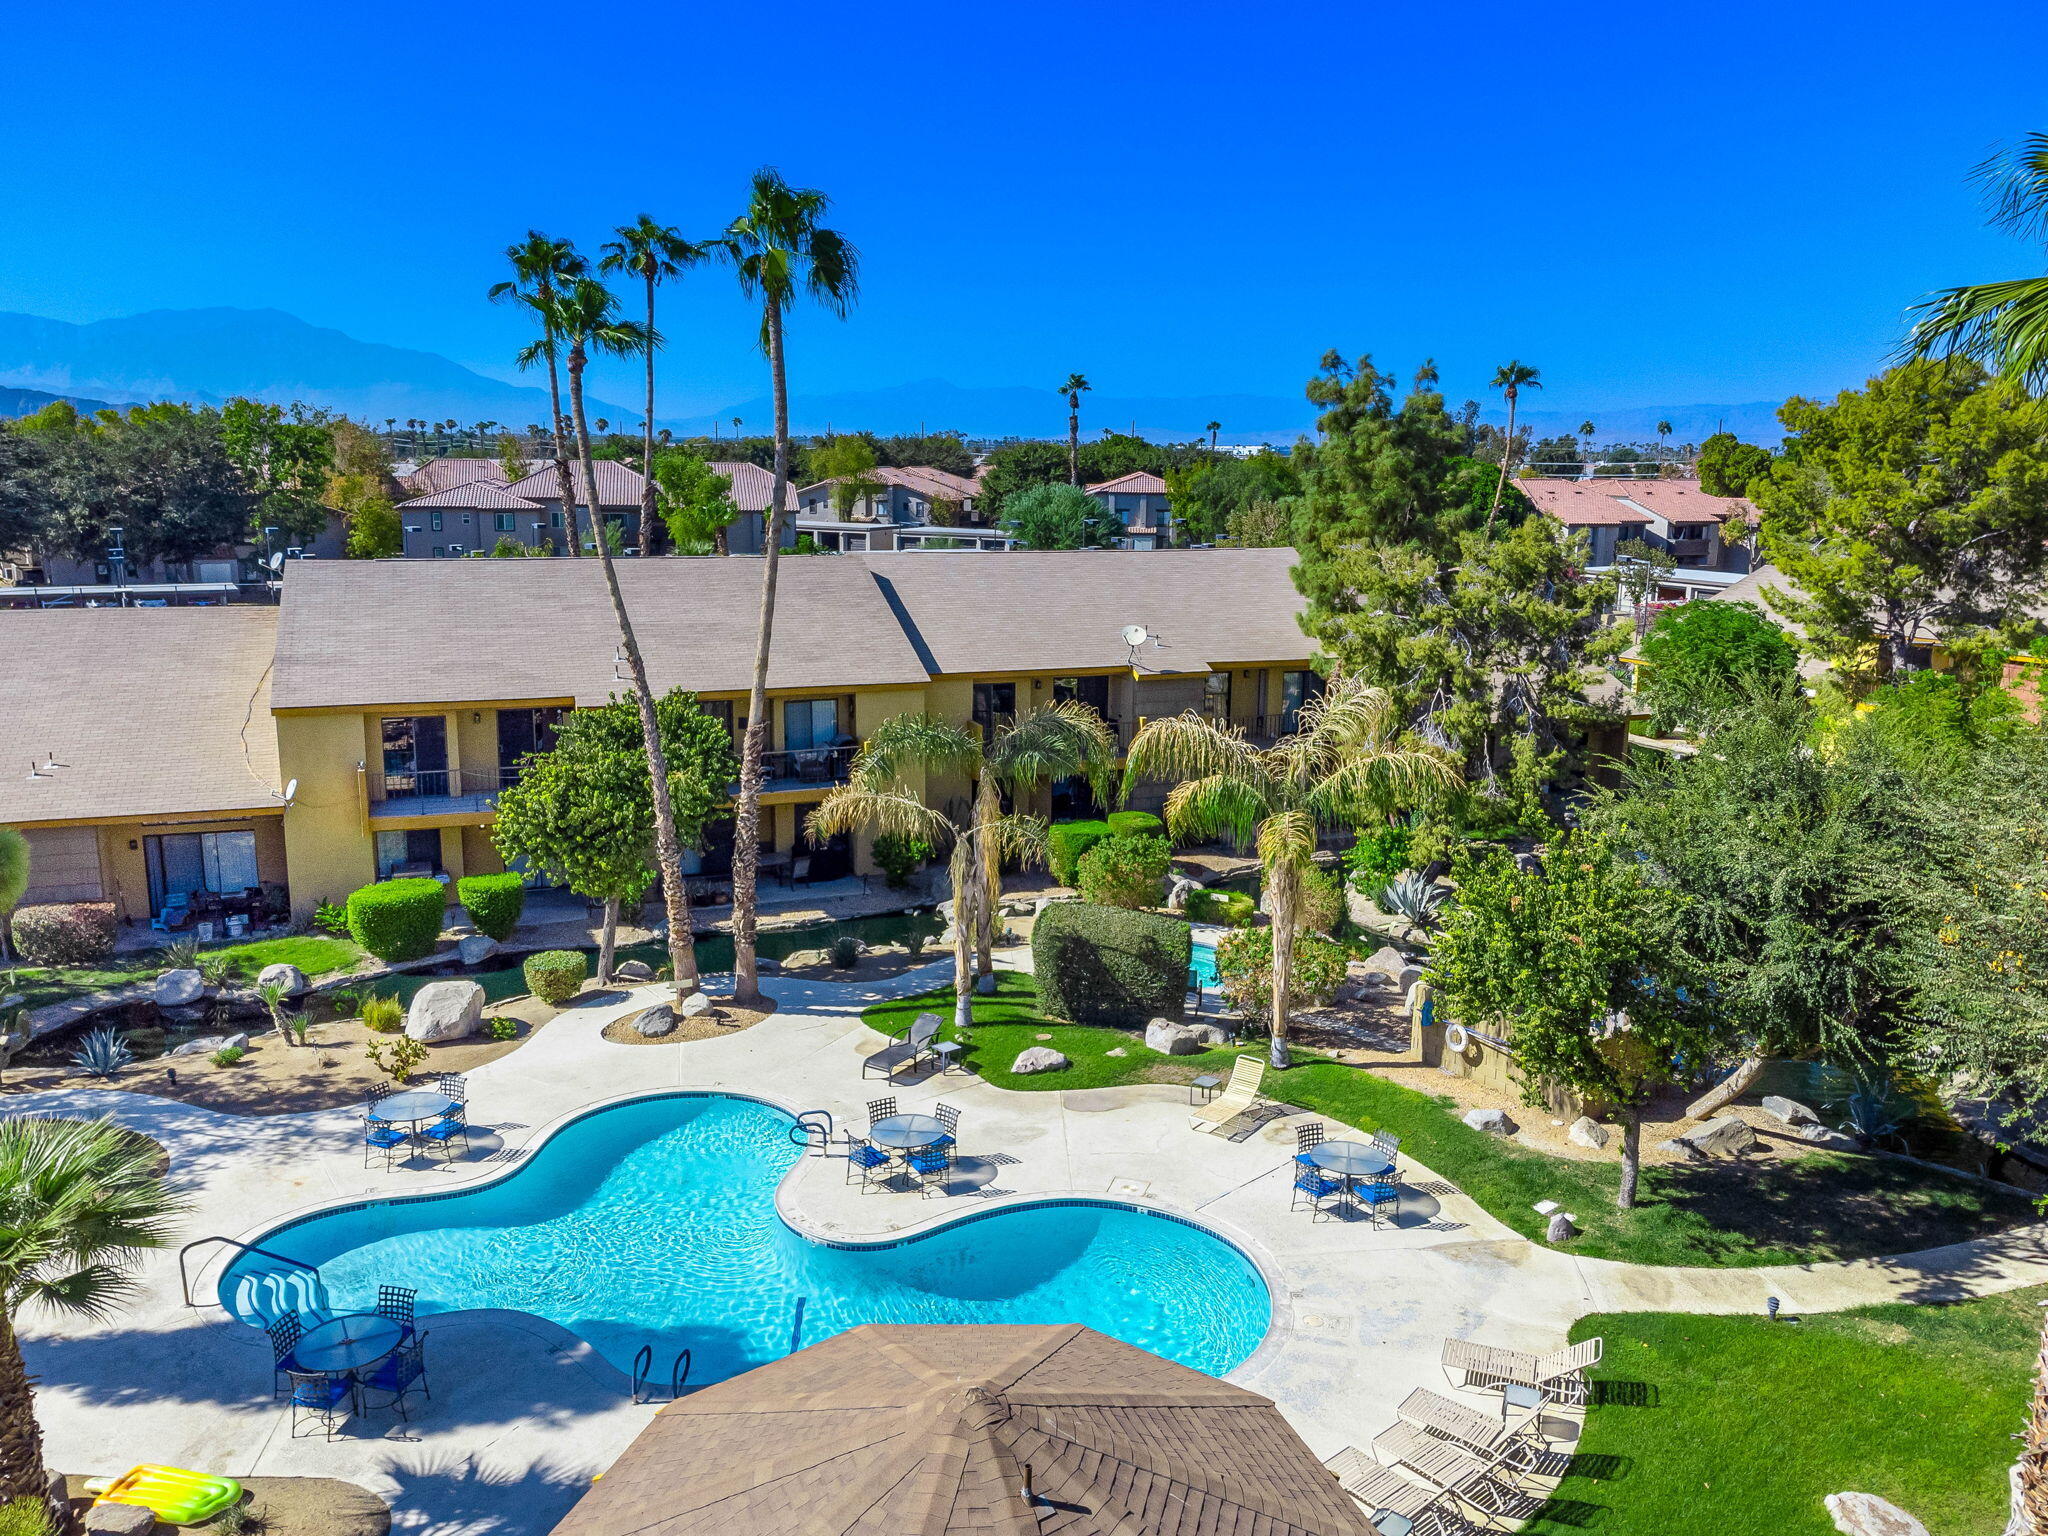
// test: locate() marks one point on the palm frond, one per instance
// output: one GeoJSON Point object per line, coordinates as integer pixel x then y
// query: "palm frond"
{"type": "Point", "coordinates": [905, 741]}
{"type": "Point", "coordinates": [1372, 784]}
{"type": "Point", "coordinates": [2017, 179]}
{"type": "Point", "coordinates": [1287, 840]}
{"type": "Point", "coordinates": [2003, 325]}
{"type": "Point", "coordinates": [1015, 839]}
{"type": "Point", "coordinates": [96, 1291]}
{"type": "Point", "coordinates": [1062, 741]}
{"type": "Point", "coordinates": [1219, 805]}
{"type": "Point", "coordinates": [833, 277]}
{"type": "Point", "coordinates": [883, 812]}
{"type": "Point", "coordinates": [1189, 746]}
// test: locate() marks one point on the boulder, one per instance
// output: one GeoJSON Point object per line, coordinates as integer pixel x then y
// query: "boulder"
{"type": "Point", "coordinates": [656, 1021]}
{"type": "Point", "coordinates": [693, 1005]}
{"type": "Point", "coordinates": [1178, 892]}
{"type": "Point", "coordinates": [191, 1013]}
{"type": "Point", "coordinates": [119, 1520]}
{"type": "Point", "coordinates": [174, 989]}
{"type": "Point", "coordinates": [1722, 1136]}
{"type": "Point", "coordinates": [476, 948]}
{"type": "Point", "coordinates": [1494, 1122]}
{"type": "Point", "coordinates": [1791, 1111]}
{"type": "Point", "coordinates": [290, 977]}
{"type": "Point", "coordinates": [1826, 1140]}
{"type": "Point", "coordinates": [805, 959]}
{"type": "Point", "coordinates": [1408, 976]}
{"type": "Point", "coordinates": [1560, 1229]}
{"type": "Point", "coordinates": [1039, 1058]}
{"type": "Point", "coordinates": [445, 1010]}
{"type": "Point", "coordinates": [1865, 1514]}
{"type": "Point", "coordinates": [1587, 1132]}
{"type": "Point", "coordinates": [1171, 1038]}
{"type": "Point", "coordinates": [633, 970]}
{"type": "Point", "coordinates": [206, 1045]}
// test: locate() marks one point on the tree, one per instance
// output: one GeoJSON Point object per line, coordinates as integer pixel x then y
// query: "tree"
{"type": "Point", "coordinates": [1262, 525]}
{"type": "Point", "coordinates": [541, 266]}
{"type": "Point", "coordinates": [848, 461]}
{"type": "Point", "coordinates": [1510, 379]}
{"type": "Point", "coordinates": [651, 252]}
{"type": "Point", "coordinates": [1556, 456]}
{"type": "Point", "coordinates": [1700, 658]}
{"type": "Point", "coordinates": [696, 501]}
{"type": "Point", "coordinates": [1728, 464]}
{"type": "Point", "coordinates": [27, 494]}
{"type": "Point", "coordinates": [1566, 962]}
{"type": "Point", "coordinates": [374, 531]}
{"type": "Point", "coordinates": [1066, 740]}
{"type": "Point", "coordinates": [934, 450]}
{"type": "Point", "coordinates": [1663, 439]}
{"type": "Point", "coordinates": [1075, 386]}
{"type": "Point", "coordinates": [13, 878]}
{"type": "Point", "coordinates": [285, 456]}
{"type": "Point", "coordinates": [777, 246]}
{"type": "Point", "coordinates": [2002, 325]}
{"type": "Point", "coordinates": [584, 812]}
{"type": "Point", "coordinates": [160, 473]}
{"type": "Point", "coordinates": [1205, 496]}
{"type": "Point", "coordinates": [1059, 517]}
{"type": "Point", "coordinates": [1343, 768]}
{"type": "Point", "coordinates": [1212, 429]}
{"type": "Point", "coordinates": [1917, 505]}
{"type": "Point", "coordinates": [79, 1200]}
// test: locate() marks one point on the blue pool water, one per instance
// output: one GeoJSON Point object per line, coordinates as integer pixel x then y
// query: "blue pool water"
{"type": "Point", "coordinates": [654, 1223]}
{"type": "Point", "coordinates": [1202, 963]}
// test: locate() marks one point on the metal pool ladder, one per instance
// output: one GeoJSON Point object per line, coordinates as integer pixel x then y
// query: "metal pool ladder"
{"type": "Point", "coordinates": [643, 1363]}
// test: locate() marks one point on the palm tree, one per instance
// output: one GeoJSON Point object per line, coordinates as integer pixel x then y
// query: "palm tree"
{"type": "Point", "coordinates": [777, 246]}
{"type": "Point", "coordinates": [652, 252]}
{"type": "Point", "coordinates": [585, 316]}
{"type": "Point", "coordinates": [2003, 325]}
{"type": "Point", "coordinates": [1510, 378]}
{"type": "Point", "coordinates": [540, 266]}
{"type": "Point", "coordinates": [78, 1200]}
{"type": "Point", "coordinates": [2033, 1459]}
{"type": "Point", "coordinates": [1214, 428]}
{"type": "Point", "coordinates": [1342, 767]}
{"type": "Point", "coordinates": [1663, 437]}
{"type": "Point", "coordinates": [1074, 387]}
{"type": "Point", "coordinates": [13, 877]}
{"type": "Point", "coordinates": [1586, 432]}
{"type": "Point", "coordinates": [1063, 741]}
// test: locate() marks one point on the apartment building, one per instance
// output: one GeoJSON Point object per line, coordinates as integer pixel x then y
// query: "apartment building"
{"type": "Point", "coordinates": [1140, 503]}
{"type": "Point", "coordinates": [1710, 537]}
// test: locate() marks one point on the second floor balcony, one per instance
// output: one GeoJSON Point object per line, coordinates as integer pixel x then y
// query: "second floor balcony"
{"type": "Point", "coordinates": [438, 791]}
{"type": "Point", "coordinates": [805, 768]}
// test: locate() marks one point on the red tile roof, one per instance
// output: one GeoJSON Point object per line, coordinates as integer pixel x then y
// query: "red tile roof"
{"type": "Point", "coordinates": [932, 484]}
{"type": "Point", "coordinates": [1583, 503]}
{"type": "Point", "coordinates": [476, 494]}
{"type": "Point", "coordinates": [1586, 502]}
{"type": "Point", "coordinates": [1682, 501]}
{"type": "Point", "coordinates": [1137, 483]}
{"type": "Point", "coordinates": [445, 474]}
{"type": "Point", "coordinates": [752, 486]}
{"type": "Point", "coordinates": [617, 484]}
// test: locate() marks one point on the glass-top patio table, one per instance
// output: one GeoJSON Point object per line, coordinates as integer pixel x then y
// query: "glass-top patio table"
{"type": "Point", "coordinates": [906, 1133]}
{"type": "Point", "coordinates": [1350, 1159]}
{"type": "Point", "coordinates": [348, 1343]}
{"type": "Point", "coordinates": [411, 1107]}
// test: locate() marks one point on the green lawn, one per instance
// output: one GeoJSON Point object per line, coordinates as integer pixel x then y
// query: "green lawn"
{"type": "Point", "coordinates": [1818, 1208]}
{"type": "Point", "coordinates": [312, 953]}
{"type": "Point", "coordinates": [1736, 1426]}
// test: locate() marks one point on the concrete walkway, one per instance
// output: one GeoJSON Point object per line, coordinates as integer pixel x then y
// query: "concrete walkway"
{"type": "Point", "coordinates": [523, 1413]}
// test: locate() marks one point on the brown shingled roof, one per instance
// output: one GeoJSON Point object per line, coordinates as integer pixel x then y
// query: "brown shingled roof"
{"type": "Point", "coordinates": [892, 1430]}
{"type": "Point", "coordinates": [752, 486]}
{"type": "Point", "coordinates": [618, 485]}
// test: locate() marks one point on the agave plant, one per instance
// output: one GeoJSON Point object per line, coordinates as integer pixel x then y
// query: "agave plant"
{"type": "Point", "coordinates": [1869, 1105]}
{"type": "Point", "coordinates": [103, 1052]}
{"type": "Point", "coordinates": [1413, 897]}
{"type": "Point", "coordinates": [845, 952]}
{"type": "Point", "coordinates": [181, 955]}
{"type": "Point", "coordinates": [215, 970]}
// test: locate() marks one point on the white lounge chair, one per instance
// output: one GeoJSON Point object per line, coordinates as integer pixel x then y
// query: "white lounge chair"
{"type": "Point", "coordinates": [1395, 1505]}
{"type": "Point", "coordinates": [1561, 1374]}
{"type": "Point", "coordinates": [1238, 1095]}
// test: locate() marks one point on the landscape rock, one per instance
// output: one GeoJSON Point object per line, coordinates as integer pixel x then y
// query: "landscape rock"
{"type": "Point", "coordinates": [803, 959]}
{"type": "Point", "coordinates": [1826, 1140]}
{"type": "Point", "coordinates": [656, 1021]}
{"type": "Point", "coordinates": [694, 1005]}
{"type": "Point", "coordinates": [290, 977]}
{"type": "Point", "coordinates": [1386, 961]}
{"type": "Point", "coordinates": [476, 948]}
{"type": "Point", "coordinates": [1178, 892]}
{"type": "Point", "coordinates": [445, 1010]}
{"type": "Point", "coordinates": [191, 1013]}
{"type": "Point", "coordinates": [1587, 1132]}
{"type": "Point", "coordinates": [119, 1520]}
{"type": "Point", "coordinates": [1408, 976]}
{"type": "Point", "coordinates": [1560, 1229]}
{"type": "Point", "coordinates": [1722, 1136]}
{"type": "Point", "coordinates": [1865, 1514]}
{"type": "Point", "coordinates": [1116, 1050]}
{"type": "Point", "coordinates": [174, 989]}
{"type": "Point", "coordinates": [206, 1045]}
{"type": "Point", "coordinates": [1494, 1122]}
{"type": "Point", "coordinates": [633, 970]}
{"type": "Point", "coordinates": [1039, 1058]}
{"type": "Point", "coordinates": [1171, 1038]}
{"type": "Point", "coordinates": [1791, 1111]}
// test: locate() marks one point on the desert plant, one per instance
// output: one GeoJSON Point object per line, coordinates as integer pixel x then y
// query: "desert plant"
{"type": "Point", "coordinates": [299, 1024]}
{"type": "Point", "coordinates": [1379, 854]}
{"type": "Point", "coordinates": [493, 902]}
{"type": "Point", "coordinates": [845, 952]}
{"type": "Point", "coordinates": [1108, 965]}
{"type": "Point", "coordinates": [899, 856]}
{"type": "Point", "coordinates": [1413, 898]}
{"type": "Point", "coordinates": [216, 970]}
{"type": "Point", "coordinates": [26, 1517]}
{"type": "Point", "coordinates": [1125, 872]}
{"type": "Point", "coordinates": [396, 1057]}
{"type": "Point", "coordinates": [502, 1028]}
{"type": "Point", "coordinates": [398, 919]}
{"type": "Point", "coordinates": [331, 919]}
{"type": "Point", "coordinates": [228, 1055]}
{"type": "Point", "coordinates": [383, 1015]}
{"type": "Point", "coordinates": [1244, 966]}
{"type": "Point", "coordinates": [241, 1520]}
{"type": "Point", "coordinates": [1232, 909]}
{"type": "Point", "coordinates": [556, 975]}
{"type": "Point", "coordinates": [179, 955]}
{"type": "Point", "coordinates": [103, 1052]}
{"type": "Point", "coordinates": [65, 933]}
{"type": "Point", "coordinates": [272, 994]}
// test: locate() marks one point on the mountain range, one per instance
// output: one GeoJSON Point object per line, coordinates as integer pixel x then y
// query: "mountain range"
{"type": "Point", "coordinates": [206, 356]}
{"type": "Point", "coordinates": [26, 402]}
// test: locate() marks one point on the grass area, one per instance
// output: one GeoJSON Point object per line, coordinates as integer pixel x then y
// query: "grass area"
{"type": "Point", "coordinates": [314, 953]}
{"type": "Point", "coordinates": [311, 952]}
{"type": "Point", "coordinates": [1736, 1426]}
{"type": "Point", "coordinates": [1818, 1208]}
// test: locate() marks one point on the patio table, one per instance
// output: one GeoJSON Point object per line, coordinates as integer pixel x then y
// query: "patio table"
{"type": "Point", "coordinates": [348, 1343]}
{"type": "Point", "coordinates": [906, 1133]}
{"type": "Point", "coordinates": [411, 1107]}
{"type": "Point", "coordinates": [1350, 1159]}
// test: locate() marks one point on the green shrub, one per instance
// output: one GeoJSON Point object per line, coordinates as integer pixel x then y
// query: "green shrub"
{"type": "Point", "coordinates": [398, 919]}
{"type": "Point", "coordinates": [556, 975]}
{"type": "Point", "coordinates": [1244, 965]}
{"type": "Point", "coordinates": [899, 857]}
{"type": "Point", "coordinates": [493, 902]}
{"type": "Point", "coordinates": [397, 1057]}
{"type": "Point", "coordinates": [1135, 824]}
{"type": "Point", "coordinates": [383, 1015]}
{"type": "Point", "coordinates": [1232, 909]}
{"type": "Point", "coordinates": [1322, 901]}
{"type": "Point", "coordinates": [1126, 872]}
{"type": "Point", "coordinates": [845, 951]}
{"type": "Point", "coordinates": [26, 1517]}
{"type": "Point", "coordinates": [331, 919]}
{"type": "Point", "coordinates": [65, 932]}
{"type": "Point", "coordinates": [1106, 965]}
{"type": "Point", "coordinates": [228, 1055]}
{"type": "Point", "coordinates": [1066, 841]}
{"type": "Point", "coordinates": [1379, 854]}
{"type": "Point", "coordinates": [502, 1028]}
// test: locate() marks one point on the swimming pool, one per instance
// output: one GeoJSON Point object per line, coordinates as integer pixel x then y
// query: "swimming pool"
{"type": "Point", "coordinates": [1202, 964]}
{"type": "Point", "coordinates": [653, 1222]}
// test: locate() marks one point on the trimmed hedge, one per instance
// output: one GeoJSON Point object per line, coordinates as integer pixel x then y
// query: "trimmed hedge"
{"type": "Point", "coordinates": [1233, 909]}
{"type": "Point", "coordinates": [398, 919]}
{"type": "Point", "coordinates": [493, 902]}
{"type": "Point", "coordinates": [1135, 824]}
{"type": "Point", "coordinates": [1066, 841]}
{"type": "Point", "coordinates": [1104, 965]}
{"type": "Point", "coordinates": [556, 975]}
{"type": "Point", "coordinates": [1126, 872]}
{"type": "Point", "coordinates": [65, 932]}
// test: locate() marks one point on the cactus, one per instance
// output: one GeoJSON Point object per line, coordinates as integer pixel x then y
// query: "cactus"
{"type": "Point", "coordinates": [1411, 896]}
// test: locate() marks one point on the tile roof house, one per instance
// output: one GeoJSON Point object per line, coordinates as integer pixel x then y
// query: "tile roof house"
{"type": "Point", "coordinates": [984, 1430]}
{"type": "Point", "coordinates": [1140, 503]}
{"type": "Point", "coordinates": [1673, 515]}
{"type": "Point", "coordinates": [905, 500]}
{"type": "Point", "coordinates": [452, 517]}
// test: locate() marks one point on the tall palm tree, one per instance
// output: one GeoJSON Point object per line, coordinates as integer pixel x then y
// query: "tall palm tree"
{"type": "Point", "coordinates": [1073, 389]}
{"type": "Point", "coordinates": [78, 1200]}
{"type": "Point", "coordinates": [1586, 430]}
{"type": "Point", "coordinates": [541, 266]}
{"type": "Point", "coordinates": [584, 316]}
{"type": "Point", "coordinates": [651, 252]}
{"type": "Point", "coordinates": [1214, 428]}
{"type": "Point", "coordinates": [1510, 378]}
{"type": "Point", "coordinates": [2003, 325]}
{"type": "Point", "coordinates": [13, 877]}
{"type": "Point", "coordinates": [1343, 767]}
{"type": "Point", "coordinates": [778, 247]}
{"type": "Point", "coordinates": [1663, 437]}
{"type": "Point", "coordinates": [1066, 740]}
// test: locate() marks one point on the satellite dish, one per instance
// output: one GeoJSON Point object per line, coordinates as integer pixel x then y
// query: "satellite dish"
{"type": "Point", "coordinates": [277, 561]}
{"type": "Point", "coordinates": [1134, 635]}
{"type": "Point", "coordinates": [291, 791]}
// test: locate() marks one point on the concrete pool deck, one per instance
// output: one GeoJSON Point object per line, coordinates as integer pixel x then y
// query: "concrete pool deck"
{"type": "Point", "coordinates": [523, 1414]}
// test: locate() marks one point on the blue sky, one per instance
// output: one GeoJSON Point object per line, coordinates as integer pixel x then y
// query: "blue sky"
{"type": "Point", "coordinates": [1656, 204]}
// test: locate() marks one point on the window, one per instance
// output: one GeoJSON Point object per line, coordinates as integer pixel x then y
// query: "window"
{"type": "Point", "coordinates": [521, 731]}
{"type": "Point", "coordinates": [408, 853]}
{"type": "Point", "coordinates": [433, 522]}
{"type": "Point", "coordinates": [810, 723]}
{"type": "Point", "coordinates": [1296, 689]}
{"type": "Point", "coordinates": [440, 553]}
{"type": "Point", "coordinates": [504, 522]}
{"type": "Point", "coordinates": [183, 862]}
{"type": "Point", "coordinates": [554, 519]}
{"type": "Point", "coordinates": [415, 754]}
{"type": "Point", "coordinates": [995, 704]}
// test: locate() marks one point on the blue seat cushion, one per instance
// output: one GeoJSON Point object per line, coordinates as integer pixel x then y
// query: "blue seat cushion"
{"type": "Point", "coordinates": [325, 1393]}
{"type": "Point", "coordinates": [868, 1157]}
{"type": "Point", "coordinates": [385, 1136]}
{"type": "Point", "coordinates": [1304, 1159]}
{"type": "Point", "coordinates": [394, 1373]}
{"type": "Point", "coordinates": [928, 1162]}
{"type": "Point", "coordinates": [443, 1130]}
{"type": "Point", "coordinates": [943, 1141]}
{"type": "Point", "coordinates": [1316, 1184]}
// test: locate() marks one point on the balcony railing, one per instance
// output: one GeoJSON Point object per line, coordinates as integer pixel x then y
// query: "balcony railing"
{"type": "Point", "coordinates": [439, 791]}
{"type": "Point", "coordinates": [1266, 729]}
{"type": "Point", "coordinates": [805, 768]}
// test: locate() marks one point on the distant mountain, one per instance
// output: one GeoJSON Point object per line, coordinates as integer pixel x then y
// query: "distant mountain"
{"type": "Point", "coordinates": [26, 402]}
{"type": "Point", "coordinates": [206, 356]}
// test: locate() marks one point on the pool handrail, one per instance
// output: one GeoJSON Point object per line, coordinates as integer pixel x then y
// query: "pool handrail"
{"type": "Point", "coordinates": [807, 1125]}
{"type": "Point", "coordinates": [678, 1373]}
{"type": "Point", "coordinates": [185, 1280]}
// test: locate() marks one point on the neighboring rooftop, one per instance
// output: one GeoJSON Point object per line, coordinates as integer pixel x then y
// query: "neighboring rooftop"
{"type": "Point", "coordinates": [939, 1430]}
{"type": "Point", "coordinates": [752, 486]}
{"type": "Point", "coordinates": [445, 474]}
{"type": "Point", "coordinates": [618, 485]}
{"type": "Point", "coordinates": [1587, 503]}
{"type": "Point", "coordinates": [149, 710]}
{"type": "Point", "coordinates": [485, 494]}
{"type": "Point", "coordinates": [1137, 483]}
{"type": "Point", "coordinates": [1584, 503]}
{"type": "Point", "coordinates": [932, 484]}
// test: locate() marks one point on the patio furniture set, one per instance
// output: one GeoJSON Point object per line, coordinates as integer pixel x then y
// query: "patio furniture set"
{"type": "Point", "coordinates": [1444, 1468]}
{"type": "Point", "coordinates": [427, 1114]}
{"type": "Point", "coordinates": [330, 1372]}
{"type": "Point", "coordinates": [918, 1149]}
{"type": "Point", "coordinates": [1340, 1179]}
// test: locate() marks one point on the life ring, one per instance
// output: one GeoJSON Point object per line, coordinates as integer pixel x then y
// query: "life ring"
{"type": "Point", "coordinates": [1455, 1038]}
